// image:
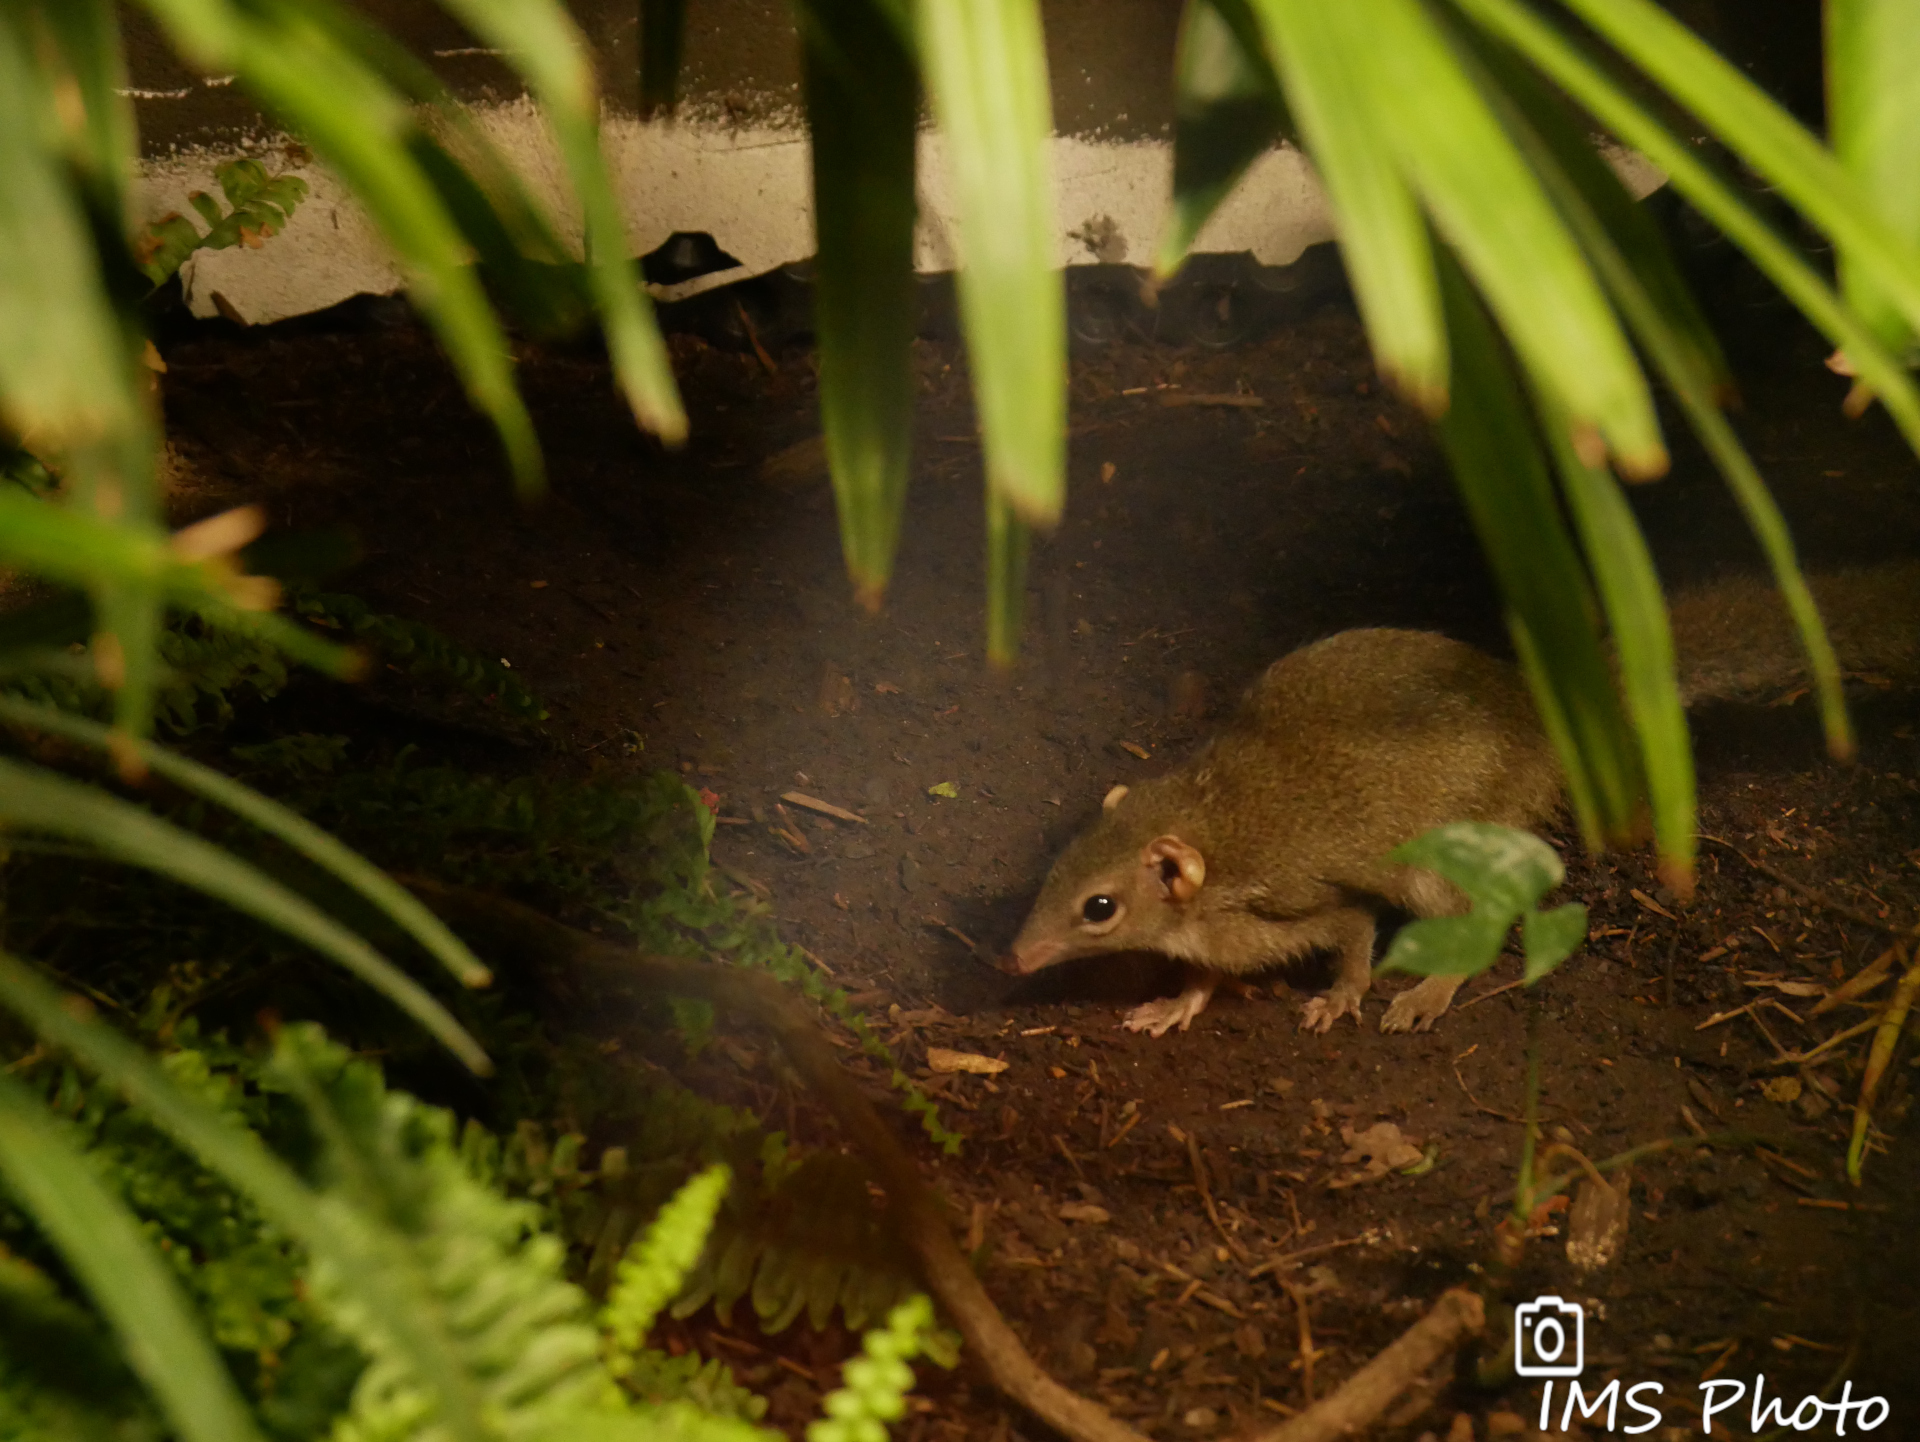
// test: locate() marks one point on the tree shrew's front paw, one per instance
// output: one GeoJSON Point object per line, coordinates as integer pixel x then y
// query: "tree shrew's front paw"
{"type": "Point", "coordinates": [1157, 1018]}
{"type": "Point", "coordinates": [1417, 1008]}
{"type": "Point", "coordinates": [1323, 1011]}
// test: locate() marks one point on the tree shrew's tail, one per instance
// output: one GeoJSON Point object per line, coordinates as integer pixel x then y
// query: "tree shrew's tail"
{"type": "Point", "coordinates": [1735, 641]}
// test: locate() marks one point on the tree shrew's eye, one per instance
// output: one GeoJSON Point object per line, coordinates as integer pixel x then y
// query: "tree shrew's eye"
{"type": "Point", "coordinates": [1099, 908]}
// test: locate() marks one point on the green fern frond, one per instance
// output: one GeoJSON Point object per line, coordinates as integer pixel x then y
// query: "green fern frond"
{"type": "Point", "coordinates": [878, 1380]}
{"type": "Point", "coordinates": [656, 1265]}
{"type": "Point", "coordinates": [522, 1346]}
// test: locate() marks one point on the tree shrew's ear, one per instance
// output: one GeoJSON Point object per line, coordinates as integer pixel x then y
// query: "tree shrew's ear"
{"type": "Point", "coordinates": [1113, 798]}
{"type": "Point", "coordinates": [1180, 869]}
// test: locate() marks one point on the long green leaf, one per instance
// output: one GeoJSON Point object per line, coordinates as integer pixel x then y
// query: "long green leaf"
{"type": "Point", "coordinates": [1653, 298]}
{"type": "Point", "coordinates": [863, 100]}
{"type": "Point", "coordinates": [1600, 212]}
{"type": "Point", "coordinates": [985, 67]}
{"type": "Point", "coordinates": [1770, 140]}
{"type": "Point", "coordinates": [39, 800]}
{"type": "Point", "coordinates": [1227, 110]}
{"type": "Point", "coordinates": [543, 44]}
{"type": "Point", "coordinates": [1607, 102]}
{"type": "Point", "coordinates": [367, 1257]}
{"type": "Point", "coordinates": [1383, 236]}
{"type": "Point", "coordinates": [65, 377]}
{"type": "Point", "coordinates": [101, 1241]}
{"type": "Point", "coordinates": [277, 821]}
{"type": "Point", "coordinates": [1503, 476]}
{"type": "Point", "coordinates": [356, 122]}
{"type": "Point", "coordinates": [1643, 643]}
{"type": "Point", "coordinates": [101, 137]}
{"type": "Point", "coordinates": [1490, 208]}
{"type": "Point", "coordinates": [1873, 124]}
{"type": "Point", "coordinates": [1007, 542]}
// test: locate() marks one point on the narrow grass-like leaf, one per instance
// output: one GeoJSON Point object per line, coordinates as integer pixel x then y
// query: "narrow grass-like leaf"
{"type": "Point", "coordinates": [72, 547]}
{"type": "Point", "coordinates": [1597, 93]}
{"type": "Point", "coordinates": [542, 43]}
{"type": "Point", "coordinates": [863, 99]}
{"type": "Point", "coordinates": [1586, 189]}
{"type": "Point", "coordinates": [1007, 542]}
{"type": "Point", "coordinates": [99, 133]}
{"type": "Point", "coordinates": [1643, 646]}
{"type": "Point", "coordinates": [1873, 125]}
{"type": "Point", "coordinates": [1594, 200]}
{"type": "Point", "coordinates": [65, 377]}
{"type": "Point", "coordinates": [102, 1243]}
{"type": "Point", "coordinates": [39, 800]}
{"type": "Point", "coordinates": [1649, 294]}
{"type": "Point", "coordinates": [985, 67]}
{"type": "Point", "coordinates": [359, 125]}
{"type": "Point", "coordinates": [1503, 477]}
{"type": "Point", "coordinates": [277, 821]}
{"type": "Point", "coordinates": [1383, 236]}
{"type": "Point", "coordinates": [364, 1253]}
{"type": "Point", "coordinates": [1672, 336]}
{"type": "Point", "coordinates": [1227, 110]}
{"type": "Point", "coordinates": [1492, 212]}
{"type": "Point", "coordinates": [1768, 139]}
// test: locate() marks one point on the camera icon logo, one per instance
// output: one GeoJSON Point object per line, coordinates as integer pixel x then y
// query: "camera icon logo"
{"type": "Point", "coordinates": [1549, 1338]}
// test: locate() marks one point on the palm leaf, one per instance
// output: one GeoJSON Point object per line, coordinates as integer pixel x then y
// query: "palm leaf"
{"type": "Point", "coordinates": [39, 800]}
{"type": "Point", "coordinates": [863, 100]}
{"type": "Point", "coordinates": [138, 1294]}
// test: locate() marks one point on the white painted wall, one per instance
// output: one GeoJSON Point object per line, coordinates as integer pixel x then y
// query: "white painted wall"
{"type": "Point", "coordinates": [748, 187]}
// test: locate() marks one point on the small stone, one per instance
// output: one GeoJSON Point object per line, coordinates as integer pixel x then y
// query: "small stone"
{"type": "Point", "coordinates": [1662, 1342]}
{"type": "Point", "coordinates": [856, 851]}
{"type": "Point", "coordinates": [1202, 1419]}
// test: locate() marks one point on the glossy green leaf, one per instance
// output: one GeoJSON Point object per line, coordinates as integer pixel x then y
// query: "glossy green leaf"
{"type": "Point", "coordinates": [39, 800]}
{"type": "Point", "coordinates": [863, 99]}
{"type": "Point", "coordinates": [985, 68]}
{"type": "Point", "coordinates": [295, 831]}
{"type": "Point", "coordinates": [1383, 236]}
{"type": "Point", "coordinates": [1603, 98]}
{"type": "Point", "coordinates": [1505, 873]}
{"type": "Point", "coordinates": [1448, 945]}
{"type": "Point", "coordinates": [1503, 476]}
{"type": "Point", "coordinates": [1770, 140]}
{"type": "Point", "coordinates": [104, 1246]}
{"type": "Point", "coordinates": [1227, 110]}
{"type": "Point", "coordinates": [1550, 937]}
{"type": "Point", "coordinates": [1873, 125]}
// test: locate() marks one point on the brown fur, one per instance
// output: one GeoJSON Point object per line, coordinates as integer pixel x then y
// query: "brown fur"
{"type": "Point", "coordinates": [1270, 842]}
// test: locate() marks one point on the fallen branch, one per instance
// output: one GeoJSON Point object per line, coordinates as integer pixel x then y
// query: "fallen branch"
{"type": "Point", "coordinates": [1361, 1399]}
{"type": "Point", "coordinates": [917, 1213]}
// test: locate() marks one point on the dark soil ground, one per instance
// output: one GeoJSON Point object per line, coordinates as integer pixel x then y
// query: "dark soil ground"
{"type": "Point", "coordinates": [690, 610]}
